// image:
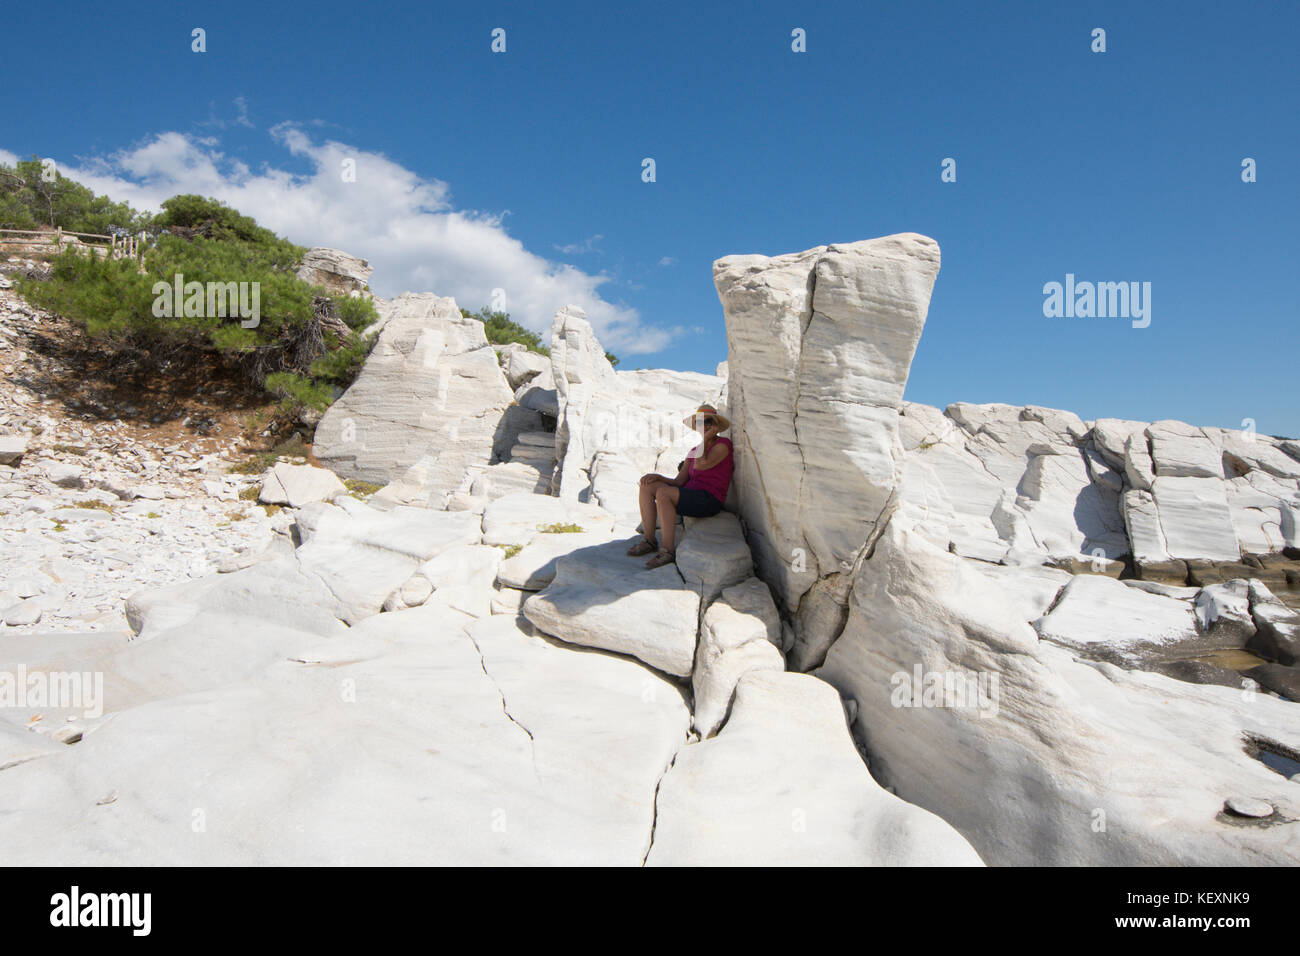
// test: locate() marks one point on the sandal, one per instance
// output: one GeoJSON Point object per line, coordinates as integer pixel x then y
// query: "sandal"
{"type": "Point", "coordinates": [644, 546]}
{"type": "Point", "coordinates": [662, 558]}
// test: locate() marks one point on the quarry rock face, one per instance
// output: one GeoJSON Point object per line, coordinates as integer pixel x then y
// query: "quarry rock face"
{"type": "Point", "coordinates": [955, 692]}
{"type": "Point", "coordinates": [1025, 638]}
{"type": "Point", "coordinates": [432, 391]}
{"type": "Point", "coordinates": [820, 344]}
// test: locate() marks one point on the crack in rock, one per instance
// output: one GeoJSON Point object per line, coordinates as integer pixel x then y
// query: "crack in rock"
{"type": "Point", "coordinates": [505, 708]}
{"type": "Point", "coordinates": [654, 804]}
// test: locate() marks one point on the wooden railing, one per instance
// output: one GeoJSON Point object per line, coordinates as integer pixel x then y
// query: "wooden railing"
{"type": "Point", "coordinates": [119, 247]}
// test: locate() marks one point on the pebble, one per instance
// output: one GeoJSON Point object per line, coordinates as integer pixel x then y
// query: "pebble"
{"type": "Point", "coordinates": [416, 590]}
{"type": "Point", "coordinates": [1248, 807]}
{"type": "Point", "coordinates": [24, 613]}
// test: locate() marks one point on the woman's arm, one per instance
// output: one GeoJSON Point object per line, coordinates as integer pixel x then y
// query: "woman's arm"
{"type": "Point", "coordinates": [683, 474]}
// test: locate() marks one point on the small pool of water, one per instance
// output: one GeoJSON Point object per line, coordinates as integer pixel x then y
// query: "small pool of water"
{"type": "Point", "coordinates": [1232, 658]}
{"type": "Point", "coordinates": [1286, 766]}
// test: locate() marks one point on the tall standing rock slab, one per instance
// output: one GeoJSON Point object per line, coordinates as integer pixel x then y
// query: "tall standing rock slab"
{"type": "Point", "coordinates": [580, 369]}
{"type": "Point", "coordinates": [820, 345]}
{"type": "Point", "coordinates": [432, 387]}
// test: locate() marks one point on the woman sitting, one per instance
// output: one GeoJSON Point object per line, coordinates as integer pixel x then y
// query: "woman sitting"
{"type": "Point", "coordinates": [698, 491]}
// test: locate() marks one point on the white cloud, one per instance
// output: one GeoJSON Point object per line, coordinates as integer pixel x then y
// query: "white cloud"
{"type": "Point", "coordinates": [404, 224]}
{"type": "Point", "coordinates": [668, 261]}
{"type": "Point", "coordinates": [578, 248]}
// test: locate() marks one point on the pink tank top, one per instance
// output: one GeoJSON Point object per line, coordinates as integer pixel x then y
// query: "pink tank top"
{"type": "Point", "coordinates": [715, 480]}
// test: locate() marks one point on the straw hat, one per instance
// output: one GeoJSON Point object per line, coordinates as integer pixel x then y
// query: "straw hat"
{"type": "Point", "coordinates": [723, 421]}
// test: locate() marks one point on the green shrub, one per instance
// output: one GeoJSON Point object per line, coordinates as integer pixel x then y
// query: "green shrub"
{"type": "Point", "coordinates": [254, 465]}
{"type": "Point", "coordinates": [558, 528]}
{"type": "Point", "coordinates": [96, 504]}
{"type": "Point", "coordinates": [500, 330]}
{"type": "Point", "coordinates": [360, 489]}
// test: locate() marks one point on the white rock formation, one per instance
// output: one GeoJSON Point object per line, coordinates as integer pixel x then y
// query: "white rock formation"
{"type": "Point", "coordinates": [741, 631]}
{"type": "Point", "coordinates": [712, 554]}
{"type": "Point", "coordinates": [519, 517]}
{"type": "Point", "coordinates": [601, 598]}
{"type": "Point", "coordinates": [947, 574]}
{"type": "Point", "coordinates": [533, 568]}
{"type": "Point", "coordinates": [783, 785]}
{"type": "Point", "coordinates": [361, 555]}
{"type": "Point", "coordinates": [335, 270]}
{"type": "Point", "coordinates": [613, 427]}
{"type": "Point", "coordinates": [820, 346]}
{"type": "Point", "coordinates": [298, 485]}
{"type": "Point", "coordinates": [419, 737]}
{"type": "Point", "coordinates": [1096, 614]}
{"type": "Point", "coordinates": [432, 392]}
{"type": "Point", "coordinates": [1054, 744]}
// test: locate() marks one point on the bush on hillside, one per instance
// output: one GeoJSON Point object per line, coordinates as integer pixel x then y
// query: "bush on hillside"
{"type": "Point", "coordinates": [305, 348]}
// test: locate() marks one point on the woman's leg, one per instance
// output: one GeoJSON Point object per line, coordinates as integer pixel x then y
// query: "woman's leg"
{"type": "Point", "coordinates": [648, 512]}
{"type": "Point", "coordinates": [666, 503]}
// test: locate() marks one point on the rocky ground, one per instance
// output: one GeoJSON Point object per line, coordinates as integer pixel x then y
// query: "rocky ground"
{"type": "Point", "coordinates": [118, 488]}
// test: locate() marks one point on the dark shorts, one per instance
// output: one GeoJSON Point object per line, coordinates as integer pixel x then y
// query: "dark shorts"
{"type": "Point", "coordinates": [697, 503]}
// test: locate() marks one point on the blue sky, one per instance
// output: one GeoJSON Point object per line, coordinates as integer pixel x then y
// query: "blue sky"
{"type": "Point", "coordinates": [522, 170]}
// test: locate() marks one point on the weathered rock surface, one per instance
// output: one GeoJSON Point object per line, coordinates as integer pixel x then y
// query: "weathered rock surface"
{"type": "Point", "coordinates": [431, 391]}
{"type": "Point", "coordinates": [298, 485]}
{"type": "Point", "coordinates": [820, 344]}
{"type": "Point", "coordinates": [12, 448]}
{"type": "Point", "coordinates": [519, 517]}
{"type": "Point", "coordinates": [613, 427]}
{"type": "Point", "coordinates": [1098, 616]}
{"type": "Point", "coordinates": [533, 568]}
{"type": "Point", "coordinates": [362, 555]}
{"type": "Point", "coordinates": [417, 737]}
{"type": "Point", "coordinates": [1057, 744]}
{"type": "Point", "coordinates": [602, 598]}
{"type": "Point", "coordinates": [783, 785]}
{"type": "Point", "coordinates": [712, 554]}
{"type": "Point", "coordinates": [339, 272]}
{"type": "Point", "coordinates": [741, 631]}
